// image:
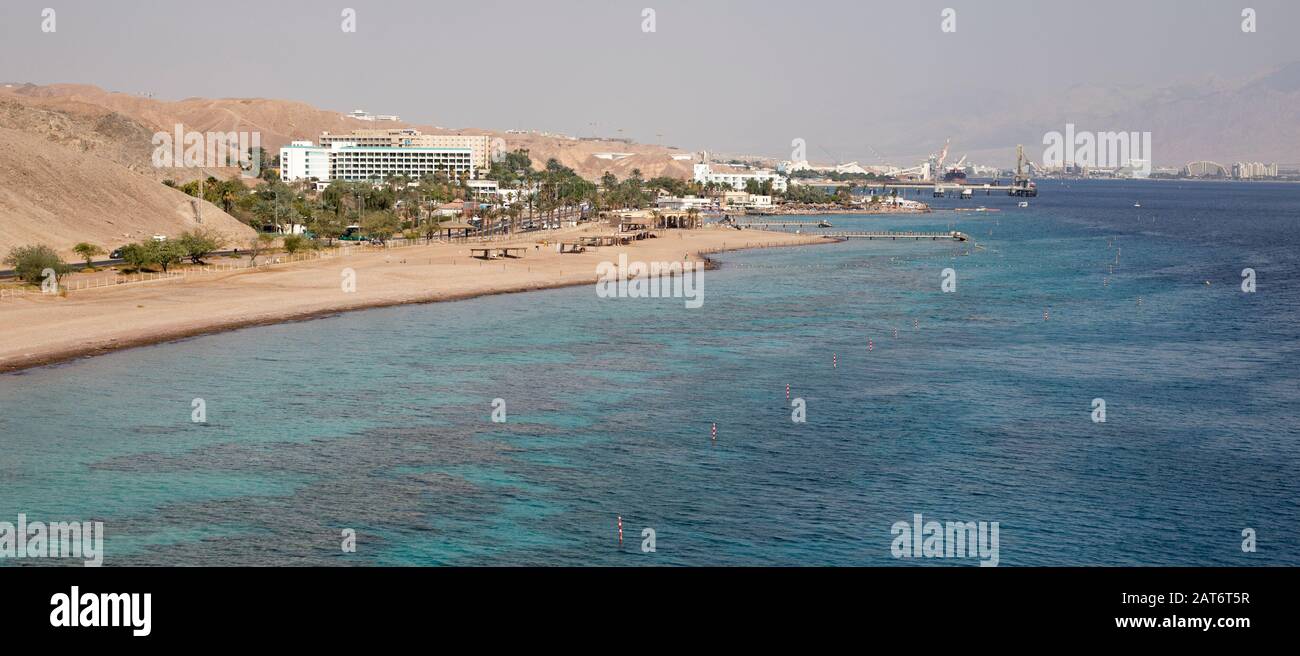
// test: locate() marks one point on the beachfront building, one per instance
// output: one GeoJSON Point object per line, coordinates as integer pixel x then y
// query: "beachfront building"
{"type": "Point", "coordinates": [705, 174]}
{"type": "Point", "coordinates": [1250, 170]}
{"type": "Point", "coordinates": [684, 203]}
{"type": "Point", "coordinates": [903, 203]}
{"type": "Point", "coordinates": [480, 145]}
{"type": "Point", "coordinates": [745, 200]}
{"type": "Point", "coordinates": [350, 162]}
{"type": "Point", "coordinates": [359, 163]}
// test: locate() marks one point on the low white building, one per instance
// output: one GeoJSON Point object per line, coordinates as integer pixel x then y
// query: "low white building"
{"type": "Point", "coordinates": [484, 187]}
{"type": "Point", "coordinates": [363, 115]}
{"type": "Point", "coordinates": [902, 203]}
{"type": "Point", "coordinates": [741, 199]}
{"type": "Point", "coordinates": [705, 174]}
{"type": "Point", "coordinates": [683, 203]}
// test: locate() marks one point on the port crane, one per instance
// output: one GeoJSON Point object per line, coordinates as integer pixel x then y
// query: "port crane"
{"type": "Point", "coordinates": [1021, 185]}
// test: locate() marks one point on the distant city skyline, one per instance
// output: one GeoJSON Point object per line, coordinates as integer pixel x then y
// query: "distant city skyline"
{"type": "Point", "coordinates": [869, 82]}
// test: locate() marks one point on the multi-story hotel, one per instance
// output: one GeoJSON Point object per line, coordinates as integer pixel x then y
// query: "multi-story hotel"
{"type": "Point", "coordinates": [343, 160]}
{"type": "Point", "coordinates": [301, 160]}
{"type": "Point", "coordinates": [1248, 170]}
{"type": "Point", "coordinates": [705, 174]}
{"type": "Point", "coordinates": [480, 145]}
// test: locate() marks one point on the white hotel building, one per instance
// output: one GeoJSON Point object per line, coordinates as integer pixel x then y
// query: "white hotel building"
{"type": "Point", "coordinates": [705, 174]}
{"type": "Point", "coordinates": [479, 144]}
{"type": "Point", "coordinates": [346, 161]}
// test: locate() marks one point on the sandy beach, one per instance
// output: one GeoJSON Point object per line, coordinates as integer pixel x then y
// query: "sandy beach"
{"type": "Point", "coordinates": [38, 329]}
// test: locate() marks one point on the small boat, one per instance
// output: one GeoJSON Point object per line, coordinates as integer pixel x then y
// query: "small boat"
{"type": "Point", "coordinates": [1137, 204]}
{"type": "Point", "coordinates": [824, 224]}
{"type": "Point", "coordinates": [1024, 203]}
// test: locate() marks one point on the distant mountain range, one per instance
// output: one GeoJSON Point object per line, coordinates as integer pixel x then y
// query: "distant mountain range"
{"type": "Point", "coordinates": [1255, 119]}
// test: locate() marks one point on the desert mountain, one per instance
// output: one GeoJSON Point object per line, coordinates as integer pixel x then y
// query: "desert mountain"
{"type": "Point", "coordinates": [76, 160]}
{"type": "Point", "coordinates": [282, 121]}
{"type": "Point", "coordinates": [60, 194]}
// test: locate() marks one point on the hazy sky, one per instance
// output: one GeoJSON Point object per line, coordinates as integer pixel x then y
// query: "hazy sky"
{"type": "Point", "coordinates": [729, 75]}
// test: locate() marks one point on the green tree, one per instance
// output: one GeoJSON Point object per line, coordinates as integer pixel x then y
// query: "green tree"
{"type": "Point", "coordinates": [294, 243]}
{"type": "Point", "coordinates": [30, 262]}
{"type": "Point", "coordinates": [328, 226]}
{"type": "Point", "coordinates": [139, 255]}
{"type": "Point", "coordinates": [88, 251]}
{"type": "Point", "coordinates": [200, 243]}
{"type": "Point", "coordinates": [167, 253]}
{"type": "Point", "coordinates": [379, 225]}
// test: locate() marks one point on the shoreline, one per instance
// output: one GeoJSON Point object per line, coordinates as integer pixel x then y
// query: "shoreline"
{"type": "Point", "coordinates": [43, 355]}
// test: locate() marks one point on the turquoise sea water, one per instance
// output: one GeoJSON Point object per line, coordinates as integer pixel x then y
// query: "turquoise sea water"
{"type": "Point", "coordinates": [978, 410]}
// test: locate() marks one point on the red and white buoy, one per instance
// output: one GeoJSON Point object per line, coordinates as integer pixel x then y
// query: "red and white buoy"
{"type": "Point", "coordinates": [787, 391]}
{"type": "Point", "coordinates": [620, 530]}
{"type": "Point", "coordinates": [715, 432]}
{"type": "Point", "coordinates": [871, 346]}
{"type": "Point", "coordinates": [835, 361]}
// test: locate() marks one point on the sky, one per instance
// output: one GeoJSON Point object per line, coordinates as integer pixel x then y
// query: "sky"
{"type": "Point", "coordinates": [855, 79]}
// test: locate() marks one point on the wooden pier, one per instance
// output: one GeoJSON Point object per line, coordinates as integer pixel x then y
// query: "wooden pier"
{"type": "Point", "coordinates": [941, 189]}
{"type": "Point", "coordinates": [779, 224]}
{"type": "Point", "coordinates": [933, 236]}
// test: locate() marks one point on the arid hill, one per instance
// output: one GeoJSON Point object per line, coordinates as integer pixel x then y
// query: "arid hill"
{"type": "Point", "coordinates": [59, 195]}
{"type": "Point", "coordinates": [76, 160]}
{"type": "Point", "coordinates": [282, 121]}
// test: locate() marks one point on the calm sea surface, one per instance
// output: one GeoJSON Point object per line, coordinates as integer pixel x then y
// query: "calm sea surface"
{"type": "Point", "coordinates": [968, 406]}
